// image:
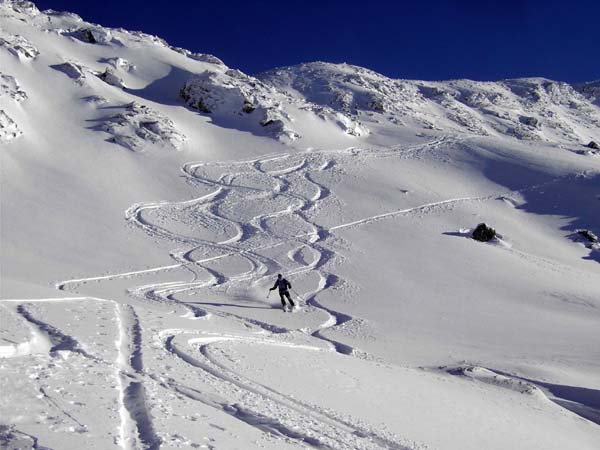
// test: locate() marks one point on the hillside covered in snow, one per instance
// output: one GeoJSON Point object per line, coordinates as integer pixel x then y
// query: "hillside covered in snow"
{"type": "Point", "coordinates": [150, 196]}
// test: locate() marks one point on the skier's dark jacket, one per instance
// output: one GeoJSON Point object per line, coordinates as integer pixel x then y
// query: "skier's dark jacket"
{"type": "Point", "coordinates": [282, 284]}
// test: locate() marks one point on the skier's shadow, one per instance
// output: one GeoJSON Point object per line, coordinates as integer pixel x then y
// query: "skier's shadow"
{"type": "Point", "coordinates": [232, 305]}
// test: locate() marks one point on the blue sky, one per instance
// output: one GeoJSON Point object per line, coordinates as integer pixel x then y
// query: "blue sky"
{"type": "Point", "coordinates": [431, 40]}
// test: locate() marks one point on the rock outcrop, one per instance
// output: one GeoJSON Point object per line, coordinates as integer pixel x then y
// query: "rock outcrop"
{"type": "Point", "coordinates": [483, 233]}
{"type": "Point", "coordinates": [137, 126]}
{"type": "Point", "coordinates": [9, 130]}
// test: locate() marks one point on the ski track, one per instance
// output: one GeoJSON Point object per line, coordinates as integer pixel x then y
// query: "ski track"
{"type": "Point", "coordinates": [322, 429]}
{"type": "Point", "coordinates": [135, 430]}
{"type": "Point", "coordinates": [282, 177]}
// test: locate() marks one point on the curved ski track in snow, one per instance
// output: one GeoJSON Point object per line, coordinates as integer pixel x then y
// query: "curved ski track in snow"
{"type": "Point", "coordinates": [281, 175]}
{"type": "Point", "coordinates": [320, 428]}
{"type": "Point", "coordinates": [281, 188]}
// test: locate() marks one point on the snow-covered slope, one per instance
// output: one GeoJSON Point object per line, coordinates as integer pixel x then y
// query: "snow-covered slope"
{"type": "Point", "coordinates": [590, 90]}
{"type": "Point", "coordinates": [150, 195]}
{"type": "Point", "coordinates": [528, 108]}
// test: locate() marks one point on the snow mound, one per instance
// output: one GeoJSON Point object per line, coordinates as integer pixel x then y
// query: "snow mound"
{"type": "Point", "coordinates": [139, 125]}
{"type": "Point", "coordinates": [109, 77]}
{"type": "Point", "coordinates": [77, 72]}
{"type": "Point", "coordinates": [73, 70]}
{"type": "Point", "coordinates": [90, 35]}
{"type": "Point", "coordinates": [9, 86]}
{"type": "Point", "coordinates": [9, 130]}
{"type": "Point", "coordinates": [19, 46]}
{"type": "Point", "coordinates": [483, 375]}
{"type": "Point", "coordinates": [119, 63]}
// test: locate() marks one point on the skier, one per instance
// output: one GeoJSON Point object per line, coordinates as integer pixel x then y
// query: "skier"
{"type": "Point", "coordinates": [283, 286]}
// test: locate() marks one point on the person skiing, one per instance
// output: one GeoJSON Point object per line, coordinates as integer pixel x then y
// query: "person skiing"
{"type": "Point", "coordinates": [283, 286]}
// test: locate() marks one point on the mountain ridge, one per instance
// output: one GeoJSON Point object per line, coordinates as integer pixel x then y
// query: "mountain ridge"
{"type": "Point", "coordinates": [350, 98]}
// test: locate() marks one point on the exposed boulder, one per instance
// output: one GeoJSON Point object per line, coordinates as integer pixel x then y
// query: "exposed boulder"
{"type": "Point", "coordinates": [119, 63]}
{"type": "Point", "coordinates": [87, 36]}
{"type": "Point", "coordinates": [594, 145]}
{"type": "Point", "coordinates": [248, 107]}
{"type": "Point", "coordinates": [72, 70]}
{"type": "Point", "coordinates": [530, 121]}
{"type": "Point", "coordinates": [97, 35]}
{"type": "Point", "coordinates": [109, 77]}
{"type": "Point", "coordinates": [588, 235]}
{"type": "Point", "coordinates": [483, 233]}
{"type": "Point", "coordinates": [274, 121]}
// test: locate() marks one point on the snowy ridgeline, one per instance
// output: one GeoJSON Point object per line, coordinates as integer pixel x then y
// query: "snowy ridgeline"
{"type": "Point", "coordinates": [528, 108]}
{"type": "Point", "coordinates": [350, 99]}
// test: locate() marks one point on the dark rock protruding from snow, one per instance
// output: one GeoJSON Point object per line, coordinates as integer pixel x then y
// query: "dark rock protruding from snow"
{"type": "Point", "coordinates": [530, 121]}
{"type": "Point", "coordinates": [594, 145]}
{"type": "Point", "coordinates": [587, 234]}
{"type": "Point", "coordinates": [92, 35]}
{"type": "Point", "coordinates": [483, 233]}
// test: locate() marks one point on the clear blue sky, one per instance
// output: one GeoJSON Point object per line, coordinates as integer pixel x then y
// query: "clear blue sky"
{"type": "Point", "coordinates": [430, 40]}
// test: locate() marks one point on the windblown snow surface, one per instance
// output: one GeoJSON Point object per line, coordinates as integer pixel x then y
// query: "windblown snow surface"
{"type": "Point", "coordinates": [150, 195]}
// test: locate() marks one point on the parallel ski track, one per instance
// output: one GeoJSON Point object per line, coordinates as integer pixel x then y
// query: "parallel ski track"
{"type": "Point", "coordinates": [135, 430]}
